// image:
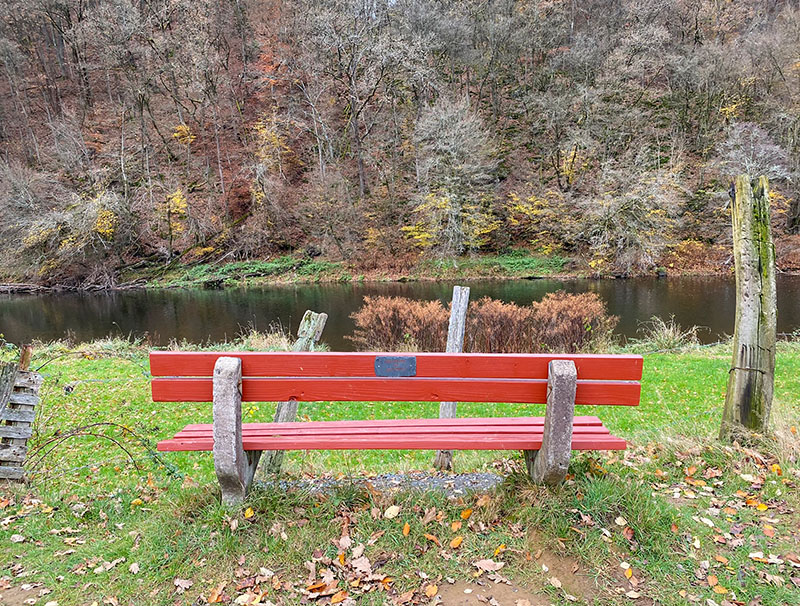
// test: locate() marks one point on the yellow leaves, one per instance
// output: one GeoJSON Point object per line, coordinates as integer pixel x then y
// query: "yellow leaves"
{"type": "Point", "coordinates": [105, 223]}
{"type": "Point", "coordinates": [456, 526]}
{"type": "Point", "coordinates": [432, 539]}
{"type": "Point", "coordinates": [339, 596]}
{"type": "Point", "coordinates": [137, 502]}
{"type": "Point", "coordinates": [776, 469]}
{"type": "Point", "coordinates": [406, 529]}
{"type": "Point", "coordinates": [431, 590]}
{"type": "Point", "coordinates": [762, 507]}
{"type": "Point", "coordinates": [249, 513]}
{"type": "Point", "coordinates": [456, 542]}
{"type": "Point", "coordinates": [466, 514]}
{"type": "Point", "coordinates": [183, 134]}
{"type": "Point", "coordinates": [628, 573]}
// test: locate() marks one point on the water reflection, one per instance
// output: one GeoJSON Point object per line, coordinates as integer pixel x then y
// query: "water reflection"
{"type": "Point", "coordinates": [203, 315]}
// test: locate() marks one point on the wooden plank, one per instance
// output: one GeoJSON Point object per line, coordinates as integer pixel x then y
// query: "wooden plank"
{"type": "Point", "coordinates": [523, 441]}
{"type": "Point", "coordinates": [12, 454]}
{"type": "Point", "coordinates": [28, 399]}
{"type": "Point", "coordinates": [314, 389]}
{"type": "Point", "coordinates": [15, 431]}
{"type": "Point", "coordinates": [11, 473]}
{"type": "Point", "coordinates": [251, 431]}
{"type": "Point", "coordinates": [29, 380]}
{"type": "Point", "coordinates": [8, 375]}
{"type": "Point", "coordinates": [444, 423]}
{"type": "Point", "coordinates": [26, 415]}
{"type": "Point", "coordinates": [331, 364]}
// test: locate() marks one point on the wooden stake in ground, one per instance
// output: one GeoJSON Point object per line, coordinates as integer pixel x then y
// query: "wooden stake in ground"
{"type": "Point", "coordinates": [752, 375]}
{"type": "Point", "coordinates": [455, 344]}
{"type": "Point", "coordinates": [308, 334]}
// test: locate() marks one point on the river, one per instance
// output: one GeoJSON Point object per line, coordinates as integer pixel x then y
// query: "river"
{"type": "Point", "coordinates": [215, 315]}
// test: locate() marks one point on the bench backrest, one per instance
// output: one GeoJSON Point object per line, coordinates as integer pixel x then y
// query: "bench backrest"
{"type": "Point", "coordinates": [420, 377]}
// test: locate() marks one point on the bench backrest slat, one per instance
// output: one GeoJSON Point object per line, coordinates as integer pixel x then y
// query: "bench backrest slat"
{"type": "Point", "coordinates": [433, 365]}
{"type": "Point", "coordinates": [355, 389]}
{"type": "Point", "coordinates": [424, 377]}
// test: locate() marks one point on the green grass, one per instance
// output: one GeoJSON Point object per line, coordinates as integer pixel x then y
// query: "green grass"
{"type": "Point", "coordinates": [516, 264]}
{"type": "Point", "coordinates": [86, 495]}
{"type": "Point", "coordinates": [238, 273]}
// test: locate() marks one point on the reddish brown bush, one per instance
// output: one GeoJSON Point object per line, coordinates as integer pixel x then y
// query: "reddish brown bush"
{"type": "Point", "coordinates": [559, 323]}
{"type": "Point", "coordinates": [497, 327]}
{"type": "Point", "coordinates": [568, 323]}
{"type": "Point", "coordinates": [397, 323]}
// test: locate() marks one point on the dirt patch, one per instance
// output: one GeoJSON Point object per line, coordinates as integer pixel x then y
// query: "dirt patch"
{"type": "Point", "coordinates": [16, 596]}
{"type": "Point", "coordinates": [472, 594]}
{"type": "Point", "coordinates": [568, 571]}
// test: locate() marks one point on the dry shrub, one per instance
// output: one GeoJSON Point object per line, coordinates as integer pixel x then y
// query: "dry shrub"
{"type": "Point", "coordinates": [561, 323]}
{"type": "Point", "coordinates": [397, 323]}
{"type": "Point", "coordinates": [568, 323]}
{"type": "Point", "coordinates": [497, 327]}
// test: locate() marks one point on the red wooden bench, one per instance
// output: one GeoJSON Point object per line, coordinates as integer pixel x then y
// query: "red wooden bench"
{"type": "Point", "coordinates": [560, 381]}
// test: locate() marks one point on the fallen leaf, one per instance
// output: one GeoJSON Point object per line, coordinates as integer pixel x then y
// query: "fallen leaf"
{"type": "Point", "coordinates": [249, 513]}
{"type": "Point", "coordinates": [628, 573]}
{"type": "Point", "coordinates": [431, 590]}
{"type": "Point", "coordinates": [555, 582]}
{"type": "Point", "coordinates": [391, 512]}
{"type": "Point", "coordinates": [483, 500]}
{"type": "Point", "coordinates": [712, 580]}
{"type": "Point", "coordinates": [182, 585]}
{"type": "Point", "coordinates": [17, 538]}
{"type": "Point", "coordinates": [215, 597]}
{"type": "Point", "coordinates": [134, 568]}
{"type": "Point", "coordinates": [633, 594]}
{"type": "Point", "coordinates": [465, 514]}
{"type": "Point", "coordinates": [432, 538]}
{"type": "Point", "coordinates": [339, 596]}
{"type": "Point", "coordinates": [620, 521]}
{"type": "Point", "coordinates": [488, 565]}
{"type": "Point", "coordinates": [456, 542]}
{"type": "Point", "coordinates": [406, 529]}
{"type": "Point", "coordinates": [719, 589]}
{"type": "Point", "coordinates": [456, 526]}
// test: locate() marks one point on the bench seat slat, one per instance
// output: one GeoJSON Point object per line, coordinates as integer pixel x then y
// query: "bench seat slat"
{"type": "Point", "coordinates": [359, 389]}
{"type": "Point", "coordinates": [458, 434]}
{"type": "Point", "coordinates": [429, 365]}
{"type": "Point", "coordinates": [397, 430]}
{"type": "Point", "coordinates": [582, 421]}
{"type": "Point", "coordinates": [522, 441]}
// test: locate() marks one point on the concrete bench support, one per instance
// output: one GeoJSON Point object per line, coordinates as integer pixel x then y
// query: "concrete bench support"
{"type": "Point", "coordinates": [549, 465]}
{"type": "Point", "coordinates": [235, 468]}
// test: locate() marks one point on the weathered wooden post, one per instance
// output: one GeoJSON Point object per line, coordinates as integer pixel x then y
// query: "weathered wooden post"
{"type": "Point", "coordinates": [752, 375]}
{"type": "Point", "coordinates": [455, 344]}
{"type": "Point", "coordinates": [19, 395]}
{"type": "Point", "coordinates": [308, 334]}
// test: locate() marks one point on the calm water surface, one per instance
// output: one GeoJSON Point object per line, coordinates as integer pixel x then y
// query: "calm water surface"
{"type": "Point", "coordinates": [216, 315]}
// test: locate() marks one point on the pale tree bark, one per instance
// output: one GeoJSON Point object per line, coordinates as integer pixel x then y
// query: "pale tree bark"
{"type": "Point", "coordinates": [752, 376]}
{"type": "Point", "coordinates": [310, 331]}
{"type": "Point", "coordinates": [455, 344]}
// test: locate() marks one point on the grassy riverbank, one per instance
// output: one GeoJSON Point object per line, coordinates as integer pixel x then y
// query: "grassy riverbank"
{"type": "Point", "coordinates": [299, 269]}
{"type": "Point", "coordinates": [687, 513]}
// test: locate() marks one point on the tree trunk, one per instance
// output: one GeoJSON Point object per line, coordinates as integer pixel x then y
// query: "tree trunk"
{"type": "Point", "coordinates": [455, 344]}
{"type": "Point", "coordinates": [752, 375]}
{"type": "Point", "coordinates": [310, 331]}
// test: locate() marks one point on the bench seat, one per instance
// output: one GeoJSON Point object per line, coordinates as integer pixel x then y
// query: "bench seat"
{"type": "Point", "coordinates": [493, 433]}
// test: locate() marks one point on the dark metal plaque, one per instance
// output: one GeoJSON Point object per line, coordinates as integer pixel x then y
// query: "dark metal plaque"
{"type": "Point", "coordinates": [395, 366]}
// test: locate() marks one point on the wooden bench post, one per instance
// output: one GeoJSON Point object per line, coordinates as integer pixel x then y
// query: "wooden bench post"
{"type": "Point", "coordinates": [550, 464]}
{"type": "Point", "coordinates": [235, 468]}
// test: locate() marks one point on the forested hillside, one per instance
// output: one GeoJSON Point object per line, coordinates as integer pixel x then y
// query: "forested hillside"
{"type": "Point", "coordinates": [378, 132]}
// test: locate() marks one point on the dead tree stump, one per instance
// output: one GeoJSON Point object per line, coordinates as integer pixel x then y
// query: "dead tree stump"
{"type": "Point", "coordinates": [455, 344]}
{"type": "Point", "coordinates": [752, 375]}
{"type": "Point", "coordinates": [308, 334]}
